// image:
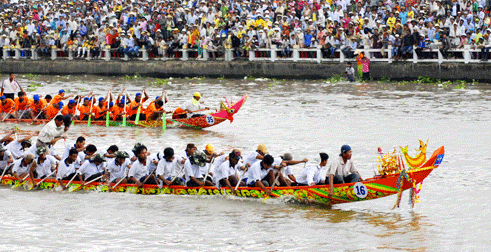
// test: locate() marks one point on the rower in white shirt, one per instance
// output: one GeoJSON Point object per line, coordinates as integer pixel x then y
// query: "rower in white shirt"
{"type": "Point", "coordinates": [5, 159]}
{"type": "Point", "coordinates": [286, 177]}
{"type": "Point", "coordinates": [117, 168]}
{"type": "Point", "coordinates": [18, 147]}
{"type": "Point", "coordinates": [192, 170]}
{"type": "Point", "coordinates": [259, 172]}
{"type": "Point", "coordinates": [139, 171]}
{"type": "Point", "coordinates": [23, 167]}
{"type": "Point", "coordinates": [110, 153]}
{"type": "Point", "coordinates": [311, 175]}
{"type": "Point", "coordinates": [192, 107]}
{"type": "Point", "coordinates": [169, 167]}
{"type": "Point", "coordinates": [45, 163]}
{"type": "Point", "coordinates": [91, 169]}
{"type": "Point", "coordinates": [226, 174]}
{"type": "Point", "coordinates": [256, 155]}
{"type": "Point", "coordinates": [79, 145]}
{"type": "Point", "coordinates": [66, 168]}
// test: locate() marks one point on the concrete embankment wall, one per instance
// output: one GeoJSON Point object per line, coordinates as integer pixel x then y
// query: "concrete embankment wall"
{"type": "Point", "coordinates": [239, 69]}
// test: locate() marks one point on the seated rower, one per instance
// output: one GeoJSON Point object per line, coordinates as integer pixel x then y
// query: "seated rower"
{"type": "Point", "coordinates": [119, 110]}
{"type": "Point", "coordinates": [53, 109]}
{"type": "Point", "coordinates": [194, 106]}
{"type": "Point", "coordinates": [38, 106]}
{"type": "Point", "coordinates": [91, 169]}
{"type": "Point", "coordinates": [226, 174]}
{"type": "Point", "coordinates": [311, 175]}
{"type": "Point", "coordinates": [139, 170]}
{"type": "Point", "coordinates": [66, 168]}
{"type": "Point", "coordinates": [286, 177]}
{"type": "Point", "coordinates": [167, 169]}
{"type": "Point", "coordinates": [22, 106]}
{"type": "Point", "coordinates": [193, 170]}
{"type": "Point", "coordinates": [342, 169]}
{"type": "Point", "coordinates": [118, 167]}
{"type": "Point", "coordinates": [24, 167]}
{"type": "Point", "coordinates": [154, 111]}
{"type": "Point", "coordinates": [58, 98]}
{"type": "Point", "coordinates": [100, 109]}
{"type": "Point", "coordinates": [45, 163]}
{"type": "Point", "coordinates": [133, 155]}
{"type": "Point", "coordinates": [18, 147]}
{"type": "Point", "coordinates": [111, 153]}
{"type": "Point", "coordinates": [79, 145]}
{"type": "Point", "coordinates": [137, 103]}
{"type": "Point", "coordinates": [259, 172]}
{"type": "Point", "coordinates": [88, 153]}
{"type": "Point", "coordinates": [85, 108]}
{"type": "Point", "coordinates": [7, 107]}
{"type": "Point", "coordinates": [7, 139]}
{"type": "Point", "coordinates": [69, 109]}
{"type": "Point", "coordinates": [256, 155]}
{"type": "Point", "coordinates": [5, 159]}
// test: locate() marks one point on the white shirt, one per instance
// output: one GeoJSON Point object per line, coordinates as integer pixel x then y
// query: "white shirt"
{"type": "Point", "coordinates": [191, 170]}
{"type": "Point", "coordinates": [4, 159]}
{"type": "Point", "coordinates": [338, 167]}
{"type": "Point", "coordinates": [255, 173]}
{"type": "Point", "coordinates": [44, 168]}
{"type": "Point", "coordinates": [251, 158]}
{"type": "Point", "coordinates": [189, 105]}
{"type": "Point", "coordinates": [10, 87]}
{"type": "Point", "coordinates": [67, 150]}
{"type": "Point", "coordinates": [168, 169]}
{"type": "Point", "coordinates": [117, 171]}
{"type": "Point", "coordinates": [65, 169]}
{"type": "Point", "coordinates": [311, 174]}
{"type": "Point", "coordinates": [15, 148]}
{"type": "Point", "coordinates": [225, 170]}
{"type": "Point", "coordinates": [138, 170]}
{"type": "Point", "coordinates": [19, 168]}
{"type": "Point", "coordinates": [89, 168]}
{"type": "Point", "coordinates": [50, 131]}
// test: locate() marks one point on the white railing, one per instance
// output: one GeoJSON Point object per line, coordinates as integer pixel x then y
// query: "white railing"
{"type": "Point", "coordinates": [274, 54]}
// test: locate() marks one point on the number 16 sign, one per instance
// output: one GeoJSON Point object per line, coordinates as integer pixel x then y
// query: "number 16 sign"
{"type": "Point", "coordinates": [360, 190]}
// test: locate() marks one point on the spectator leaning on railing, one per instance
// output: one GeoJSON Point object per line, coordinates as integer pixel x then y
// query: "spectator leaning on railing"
{"type": "Point", "coordinates": [161, 27]}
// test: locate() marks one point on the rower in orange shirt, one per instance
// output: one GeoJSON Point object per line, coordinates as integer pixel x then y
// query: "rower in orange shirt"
{"type": "Point", "coordinates": [85, 109]}
{"type": "Point", "coordinates": [100, 109]}
{"type": "Point", "coordinates": [154, 110]}
{"type": "Point", "coordinates": [53, 110]}
{"type": "Point", "coordinates": [22, 104]}
{"type": "Point", "coordinates": [69, 109]}
{"type": "Point", "coordinates": [59, 97]}
{"type": "Point", "coordinates": [6, 107]}
{"type": "Point", "coordinates": [133, 107]}
{"type": "Point", "coordinates": [37, 106]}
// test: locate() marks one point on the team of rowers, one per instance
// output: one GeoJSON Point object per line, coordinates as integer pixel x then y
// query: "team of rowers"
{"type": "Point", "coordinates": [83, 107]}
{"type": "Point", "coordinates": [191, 167]}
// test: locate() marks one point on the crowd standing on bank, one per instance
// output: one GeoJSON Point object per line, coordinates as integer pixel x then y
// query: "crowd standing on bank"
{"type": "Point", "coordinates": [335, 26]}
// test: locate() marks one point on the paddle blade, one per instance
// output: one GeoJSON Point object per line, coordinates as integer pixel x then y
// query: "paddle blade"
{"type": "Point", "coordinates": [137, 118]}
{"type": "Point", "coordinates": [88, 121]}
{"type": "Point", "coordinates": [124, 120]}
{"type": "Point", "coordinates": [74, 188]}
{"type": "Point", "coordinates": [164, 122]}
{"type": "Point", "coordinates": [107, 119]}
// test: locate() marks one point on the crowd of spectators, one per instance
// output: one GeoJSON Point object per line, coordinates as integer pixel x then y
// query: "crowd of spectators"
{"type": "Point", "coordinates": [162, 26]}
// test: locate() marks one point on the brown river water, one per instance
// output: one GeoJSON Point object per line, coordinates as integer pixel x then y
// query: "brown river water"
{"type": "Point", "coordinates": [301, 117]}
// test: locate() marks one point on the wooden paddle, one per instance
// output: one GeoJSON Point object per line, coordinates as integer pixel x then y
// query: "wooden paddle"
{"type": "Point", "coordinates": [274, 183]}
{"type": "Point", "coordinates": [173, 179]}
{"type": "Point", "coordinates": [107, 112]}
{"type": "Point", "coordinates": [124, 116]}
{"type": "Point", "coordinates": [90, 111]}
{"type": "Point", "coordinates": [3, 173]}
{"type": "Point", "coordinates": [47, 176]}
{"type": "Point", "coordinates": [206, 175]}
{"type": "Point", "coordinates": [145, 180]}
{"type": "Point", "coordinates": [23, 180]}
{"type": "Point", "coordinates": [80, 186]}
{"type": "Point", "coordinates": [240, 178]}
{"type": "Point", "coordinates": [8, 114]}
{"type": "Point", "coordinates": [112, 188]}
{"type": "Point", "coordinates": [40, 111]}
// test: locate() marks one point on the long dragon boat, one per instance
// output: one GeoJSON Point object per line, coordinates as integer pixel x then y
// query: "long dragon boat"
{"type": "Point", "coordinates": [226, 112]}
{"type": "Point", "coordinates": [369, 189]}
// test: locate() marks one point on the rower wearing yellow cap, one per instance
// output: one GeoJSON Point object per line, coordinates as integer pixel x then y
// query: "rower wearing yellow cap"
{"type": "Point", "coordinates": [194, 106]}
{"type": "Point", "coordinates": [256, 155]}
